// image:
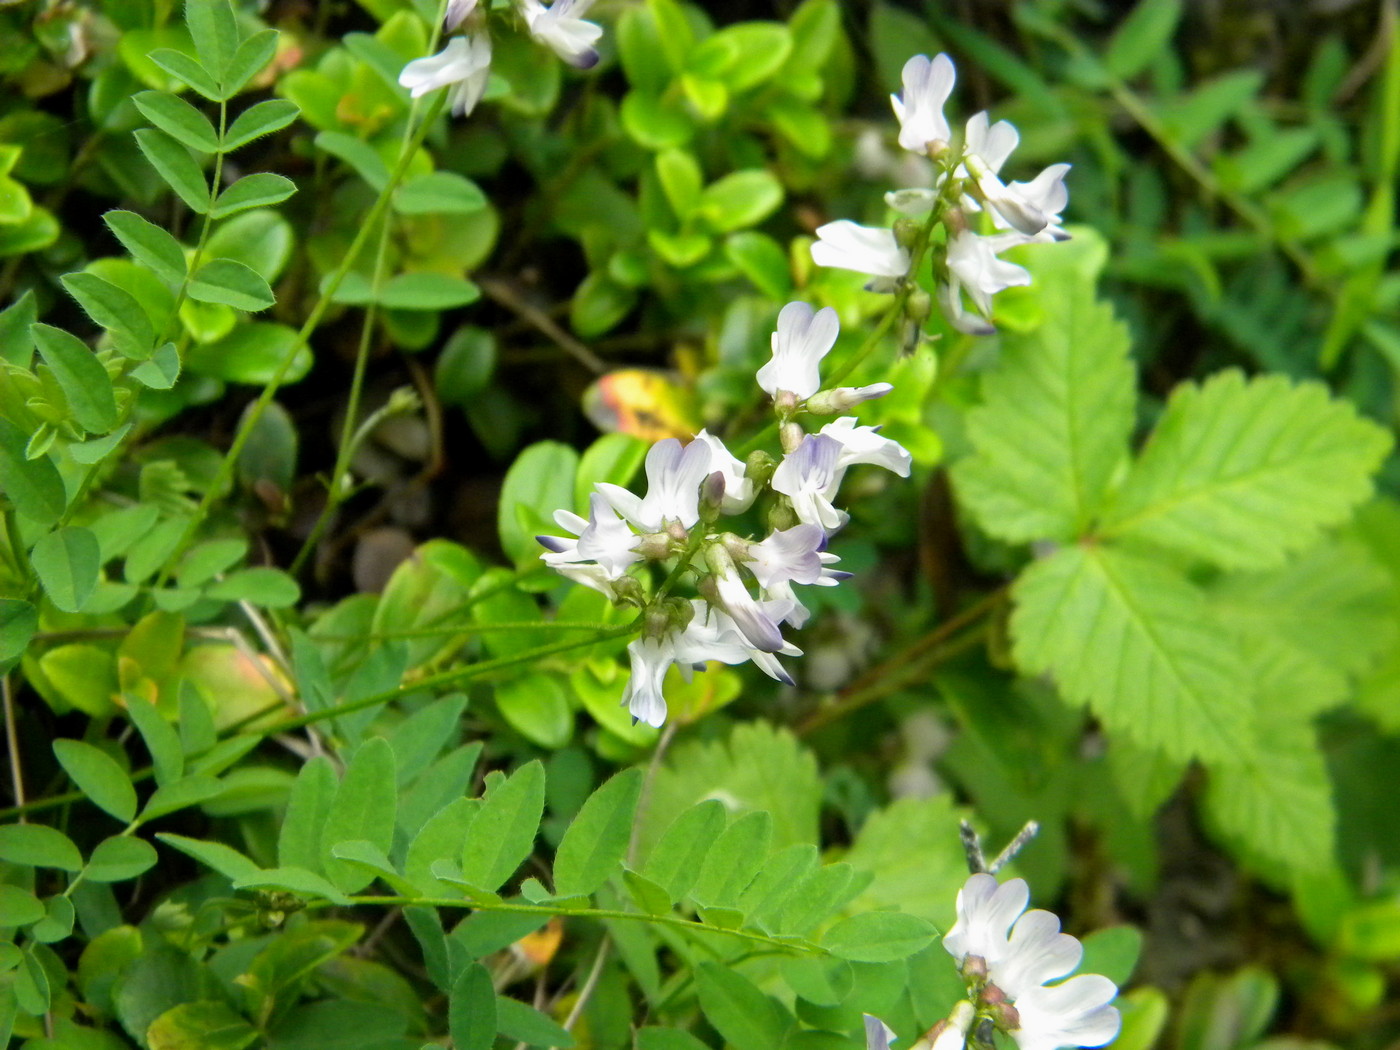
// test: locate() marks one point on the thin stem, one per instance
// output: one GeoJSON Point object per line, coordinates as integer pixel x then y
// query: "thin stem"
{"type": "Point", "coordinates": [589, 985]}
{"type": "Point", "coordinates": [255, 411]}
{"type": "Point", "coordinates": [12, 745]}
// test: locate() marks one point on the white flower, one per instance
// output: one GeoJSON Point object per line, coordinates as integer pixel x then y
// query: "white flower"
{"type": "Point", "coordinates": [759, 630]}
{"type": "Point", "coordinates": [927, 85]}
{"type": "Point", "coordinates": [712, 634]}
{"type": "Point", "coordinates": [602, 551]}
{"type": "Point", "coordinates": [1020, 206]}
{"type": "Point", "coordinates": [846, 245]}
{"type": "Point", "coordinates": [803, 337]}
{"type": "Point", "coordinates": [973, 265]}
{"type": "Point", "coordinates": [674, 473]}
{"type": "Point", "coordinates": [464, 65]}
{"type": "Point", "coordinates": [912, 202]}
{"type": "Point", "coordinates": [738, 488]}
{"type": "Point", "coordinates": [561, 28]}
{"type": "Point", "coordinates": [809, 477]}
{"type": "Point", "coordinates": [1023, 952]}
{"type": "Point", "coordinates": [456, 14]}
{"type": "Point", "coordinates": [651, 659]}
{"type": "Point", "coordinates": [788, 556]}
{"type": "Point", "coordinates": [866, 445]}
{"type": "Point", "coordinates": [877, 1034]}
{"type": "Point", "coordinates": [1048, 195]}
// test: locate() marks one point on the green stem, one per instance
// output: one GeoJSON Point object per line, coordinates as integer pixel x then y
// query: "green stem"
{"type": "Point", "coordinates": [206, 228]}
{"type": "Point", "coordinates": [258, 407]}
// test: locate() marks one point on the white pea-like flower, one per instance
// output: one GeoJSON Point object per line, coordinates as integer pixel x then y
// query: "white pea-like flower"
{"type": "Point", "coordinates": [464, 65]}
{"type": "Point", "coordinates": [674, 472]}
{"type": "Point", "coordinates": [1021, 953]}
{"type": "Point", "coordinates": [973, 266]}
{"type": "Point", "coordinates": [809, 477]}
{"type": "Point", "coordinates": [802, 338]}
{"type": "Point", "coordinates": [846, 245]}
{"type": "Point", "coordinates": [927, 85]}
{"type": "Point", "coordinates": [562, 28]}
{"type": "Point", "coordinates": [456, 13]}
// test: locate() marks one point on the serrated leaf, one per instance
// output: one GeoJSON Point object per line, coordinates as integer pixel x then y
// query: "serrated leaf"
{"type": "Point", "coordinates": [233, 284]}
{"type": "Point", "coordinates": [1054, 422]}
{"type": "Point", "coordinates": [259, 190]}
{"type": "Point", "coordinates": [85, 382]}
{"type": "Point", "coordinates": [148, 244]}
{"type": "Point", "coordinates": [178, 119]}
{"type": "Point", "coordinates": [879, 936]}
{"type": "Point", "coordinates": [1241, 473]}
{"type": "Point", "coordinates": [68, 561]}
{"type": "Point", "coordinates": [97, 776]}
{"type": "Point", "coordinates": [116, 310]}
{"type": "Point", "coordinates": [503, 833]}
{"type": "Point", "coordinates": [174, 164]}
{"type": "Point", "coordinates": [912, 861]}
{"type": "Point", "coordinates": [226, 860]}
{"type": "Point", "coordinates": [595, 843]}
{"type": "Point", "coordinates": [1275, 798]}
{"type": "Point", "coordinates": [364, 808]}
{"type": "Point", "coordinates": [264, 118]}
{"type": "Point", "coordinates": [1134, 641]}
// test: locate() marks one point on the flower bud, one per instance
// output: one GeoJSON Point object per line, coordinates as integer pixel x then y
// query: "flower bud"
{"type": "Point", "coordinates": [975, 968]}
{"type": "Point", "coordinates": [679, 613]}
{"type": "Point", "coordinates": [785, 403]}
{"type": "Point", "coordinates": [842, 399]}
{"type": "Point", "coordinates": [791, 435]}
{"type": "Point", "coordinates": [918, 306]}
{"type": "Point", "coordinates": [759, 467]}
{"type": "Point", "coordinates": [654, 546]}
{"type": "Point", "coordinates": [657, 621]}
{"type": "Point", "coordinates": [781, 515]}
{"type": "Point", "coordinates": [906, 233]}
{"type": "Point", "coordinates": [627, 591]}
{"type": "Point", "coordinates": [736, 546]}
{"type": "Point", "coordinates": [711, 496]}
{"type": "Point", "coordinates": [677, 531]}
{"type": "Point", "coordinates": [1007, 1018]}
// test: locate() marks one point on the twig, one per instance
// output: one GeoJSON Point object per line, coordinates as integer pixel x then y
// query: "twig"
{"type": "Point", "coordinates": [12, 743]}
{"type": "Point", "coordinates": [590, 983]}
{"type": "Point", "coordinates": [506, 295]}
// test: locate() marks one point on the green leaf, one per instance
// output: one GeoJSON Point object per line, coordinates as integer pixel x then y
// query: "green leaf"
{"type": "Point", "coordinates": [681, 180]}
{"type": "Point", "coordinates": [116, 310]}
{"type": "Point", "coordinates": [358, 154]}
{"type": "Point", "coordinates": [439, 193]}
{"type": "Point", "coordinates": [1194, 116]}
{"type": "Point", "coordinates": [427, 291]}
{"type": "Point", "coordinates": [913, 864]}
{"type": "Point", "coordinates": [599, 304]}
{"type": "Point", "coordinates": [1142, 36]}
{"type": "Point", "coordinates": [1112, 951]}
{"type": "Point", "coordinates": [203, 1025]}
{"type": "Point", "coordinates": [233, 284]}
{"type": "Point", "coordinates": [1241, 473]}
{"type": "Point", "coordinates": [174, 164]}
{"type": "Point", "coordinates": [57, 924]}
{"type": "Point", "coordinates": [537, 706]}
{"type": "Point", "coordinates": [178, 119]}
{"type": "Point", "coordinates": [215, 33]}
{"type": "Point", "coordinates": [18, 622]}
{"type": "Point", "coordinates": [19, 906]}
{"type": "Point", "coordinates": [675, 861]}
{"type": "Point", "coordinates": [761, 259]}
{"type": "Point", "coordinates": [85, 382]}
{"type": "Point", "coordinates": [98, 776]}
{"type": "Point", "coordinates": [879, 936]}
{"type": "Point", "coordinates": [149, 244]}
{"type": "Point", "coordinates": [261, 585]}
{"type": "Point", "coordinates": [740, 199]}
{"type": "Point", "coordinates": [68, 561]}
{"type": "Point", "coordinates": [471, 1009]}
{"type": "Point", "coordinates": [503, 833]}
{"type": "Point", "coordinates": [1274, 798]}
{"type": "Point", "coordinates": [1134, 641]}
{"type": "Point", "coordinates": [161, 739]}
{"type": "Point", "coordinates": [258, 190]}
{"type": "Point", "coordinates": [258, 120]}
{"type": "Point", "coordinates": [34, 486]}
{"type": "Point", "coordinates": [206, 560]}
{"type": "Point", "coordinates": [295, 880]}
{"type": "Point", "coordinates": [541, 480]}
{"type": "Point", "coordinates": [38, 846]}
{"type": "Point", "coordinates": [441, 838]}
{"type": "Point", "coordinates": [364, 808]}
{"type": "Point", "coordinates": [226, 860]}
{"type": "Point", "coordinates": [119, 858]}
{"type": "Point", "coordinates": [515, 1020]}
{"type": "Point", "coordinates": [185, 69]}
{"type": "Point", "coordinates": [181, 794]}
{"type": "Point", "coordinates": [748, 1019]}
{"type": "Point", "coordinates": [16, 346]}
{"type": "Point", "coordinates": [593, 847]}
{"type": "Point", "coordinates": [249, 60]}
{"type": "Point", "coordinates": [1054, 422]}
{"type": "Point", "coordinates": [734, 860]}
{"type": "Point", "coordinates": [308, 809]}
{"type": "Point", "coordinates": [369, 856]}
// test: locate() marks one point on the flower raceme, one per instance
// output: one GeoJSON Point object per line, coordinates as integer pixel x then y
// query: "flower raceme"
{"type": "Point", "coordinates": [746, 587]}
{"type": "Point", "coordinates": [967, 182]}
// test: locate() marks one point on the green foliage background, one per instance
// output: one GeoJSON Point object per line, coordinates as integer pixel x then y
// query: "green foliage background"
{"type": "Point", "coordinates": [305, 746]}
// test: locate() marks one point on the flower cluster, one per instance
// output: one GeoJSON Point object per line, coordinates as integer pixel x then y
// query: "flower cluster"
{"type": "Point", "coordinates": [744, 586]}
{"type": "Point", "coordinates": [967, 181]}
{"type": "Point", "coordinates": [464, 64]}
